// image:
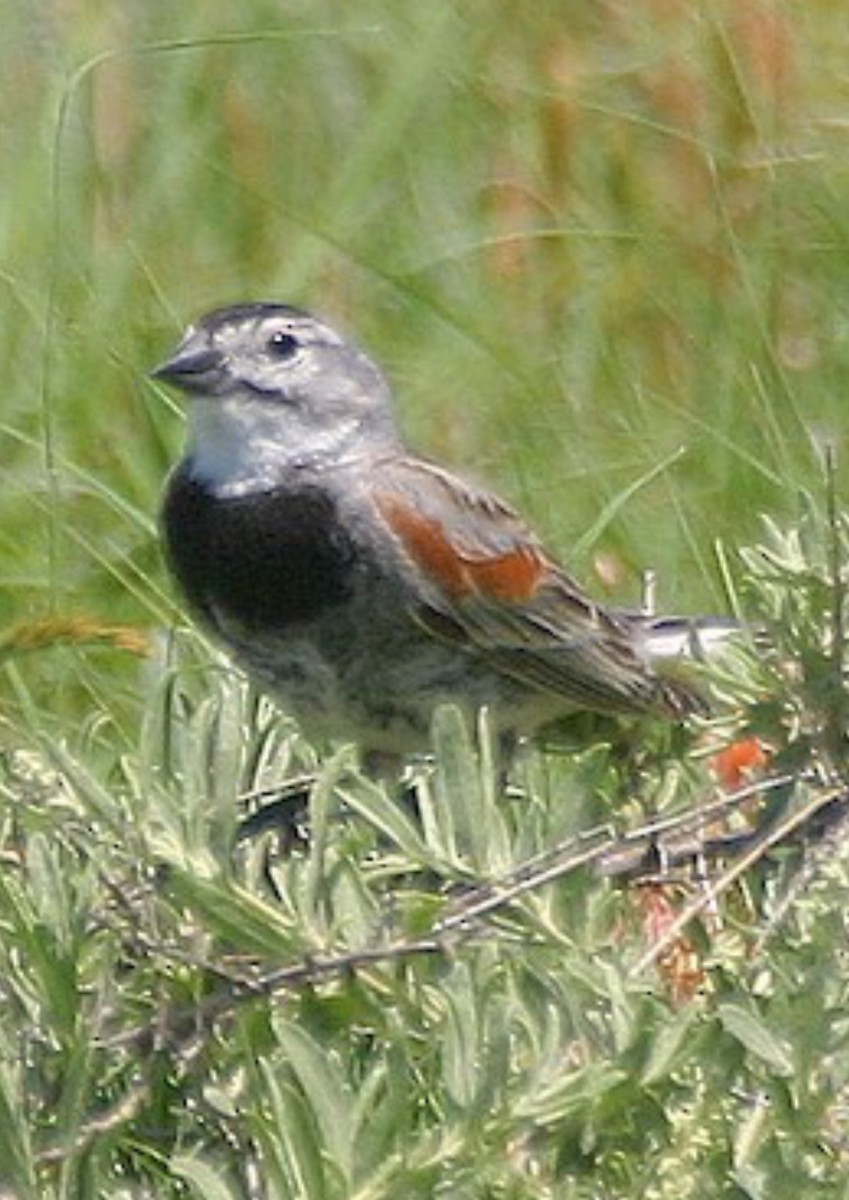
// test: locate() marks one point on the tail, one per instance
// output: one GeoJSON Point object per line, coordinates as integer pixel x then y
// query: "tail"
{"type": "Point", "coordinates": [694, 638]}
{"type": "Point", "coordinates": [672, 642]}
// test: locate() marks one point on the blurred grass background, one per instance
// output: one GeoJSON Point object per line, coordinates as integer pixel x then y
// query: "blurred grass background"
{"type": "Point", "coordinates": [587, 241]}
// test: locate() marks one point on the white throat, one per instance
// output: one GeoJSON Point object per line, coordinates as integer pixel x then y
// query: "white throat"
{"type": "Point", "coordinates": [240, 445]}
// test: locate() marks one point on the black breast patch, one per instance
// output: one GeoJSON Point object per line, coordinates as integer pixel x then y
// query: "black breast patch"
{"type": "Point", "coordinates": [269, 560]}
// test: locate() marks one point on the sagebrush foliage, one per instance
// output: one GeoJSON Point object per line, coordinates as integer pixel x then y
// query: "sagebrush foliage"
{"type": "Point", "coordinates": [410, 999]}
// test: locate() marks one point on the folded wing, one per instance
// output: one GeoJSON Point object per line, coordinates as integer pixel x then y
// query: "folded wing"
{"type": "Point", "coordinates": [491, 588]}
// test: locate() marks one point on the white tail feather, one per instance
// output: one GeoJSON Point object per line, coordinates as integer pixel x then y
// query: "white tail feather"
{"type": "Point", "coordinates": [688, 637]}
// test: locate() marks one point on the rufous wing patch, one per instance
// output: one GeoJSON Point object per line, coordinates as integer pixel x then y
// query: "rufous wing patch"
{"type": "Point", "coordinates": [513, 575]}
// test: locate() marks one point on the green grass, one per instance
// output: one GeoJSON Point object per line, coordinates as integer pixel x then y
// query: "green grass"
{"type": "Point", "coordinates": [602, 251]}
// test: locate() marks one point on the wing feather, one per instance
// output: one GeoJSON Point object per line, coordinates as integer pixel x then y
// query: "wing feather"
{"type": "Point", "coordinates": [490, 588]}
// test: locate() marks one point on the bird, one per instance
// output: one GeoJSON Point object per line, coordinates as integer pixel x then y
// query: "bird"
{"type": "Point", "coordinates": [363, 585]}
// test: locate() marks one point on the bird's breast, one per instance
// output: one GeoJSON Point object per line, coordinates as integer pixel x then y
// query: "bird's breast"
{"type": "Point", "coordinates": [267, 560]}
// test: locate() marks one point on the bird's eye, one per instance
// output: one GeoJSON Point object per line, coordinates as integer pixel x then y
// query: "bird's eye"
{"type": "Point", "coordinates": [282, 345]}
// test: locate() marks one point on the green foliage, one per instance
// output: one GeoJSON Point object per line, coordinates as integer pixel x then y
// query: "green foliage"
{"type": "Point", "coordinates": [446, 999]}
{"type": "Point", "coordinates": [602, 250]}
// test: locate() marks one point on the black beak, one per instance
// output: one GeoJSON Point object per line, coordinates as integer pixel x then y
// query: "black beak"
{"type": "Point", "coordinates": [192, 369]}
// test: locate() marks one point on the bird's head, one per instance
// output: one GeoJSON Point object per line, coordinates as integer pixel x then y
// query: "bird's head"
{"type": "Point", "coordinates": [272, 390]}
